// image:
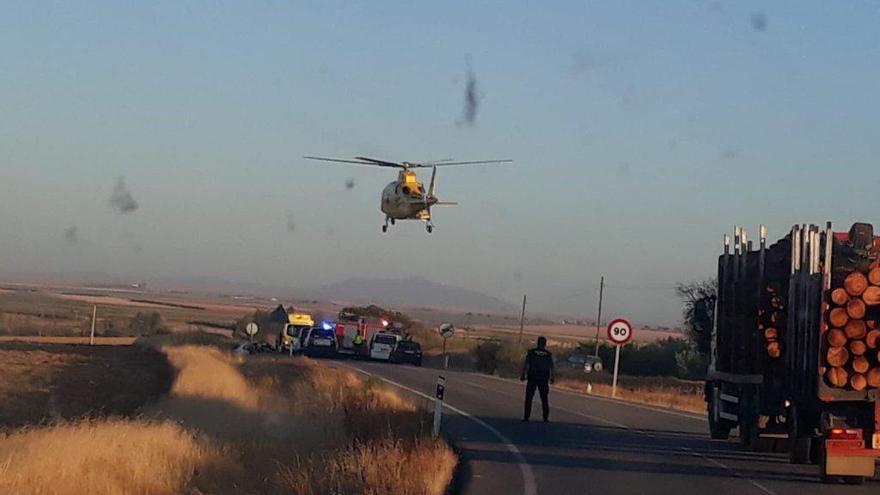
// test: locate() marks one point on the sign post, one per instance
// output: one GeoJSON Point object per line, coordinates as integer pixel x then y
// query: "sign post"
{"type": "Point", "coordinates": [619, 333]}
{"type": "Point", "coordinates": [251, 329]}
{"type": "Point", "coordinates": [94, 316]}
{"type": "Point", "coordinates": [446, 331]}
{"type": "Point", "coordinates": [438, 404]}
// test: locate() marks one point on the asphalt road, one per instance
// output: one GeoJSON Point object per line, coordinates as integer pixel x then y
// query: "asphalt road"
{"type": "Point", "coordinates": [593, 445]}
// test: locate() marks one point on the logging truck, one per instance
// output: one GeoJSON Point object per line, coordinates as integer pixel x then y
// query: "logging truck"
{"type": "Point", "coordinates": [794, 347]}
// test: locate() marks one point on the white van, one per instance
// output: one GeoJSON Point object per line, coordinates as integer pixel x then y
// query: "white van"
{"type": "Point", "coordinates": [382, 345]}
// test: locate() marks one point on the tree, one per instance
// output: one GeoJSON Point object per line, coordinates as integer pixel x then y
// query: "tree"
{"type": "Point", "coordinates": [265, 324]}
{"type": "Point", "coordinates": [147, 324]}
{"type": "Point", "coordinates": [698, 308]}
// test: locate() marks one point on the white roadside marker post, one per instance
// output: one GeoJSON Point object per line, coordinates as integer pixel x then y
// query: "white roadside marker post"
{"type": "Point", "coordinates": [92, 334]}
{"type": "Point", "coordinates": [446, 330]}
{"type": "Point", "coordinates": [438, 404]}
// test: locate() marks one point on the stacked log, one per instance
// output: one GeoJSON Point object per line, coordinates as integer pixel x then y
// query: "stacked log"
{"type": "Point", "coordinates": [852, 337]}
{"type": "Point", "coordinates": [772, 318]}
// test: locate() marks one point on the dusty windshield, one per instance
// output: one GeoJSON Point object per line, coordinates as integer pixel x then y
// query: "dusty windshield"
{"type": "Point", "coordinates": [219, 219]}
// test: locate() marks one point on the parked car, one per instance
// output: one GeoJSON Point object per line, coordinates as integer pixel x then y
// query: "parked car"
{"type": "Point", "coordinates": [321, 341]}
{"type": "Point", "coordinates": [253, 348]}
{"type": "Point", "coordinates": [585, 362]}
{"type": "Point", "coordinates": [382, 344]}
{"type": "Point", "coordinates": [407, 352]}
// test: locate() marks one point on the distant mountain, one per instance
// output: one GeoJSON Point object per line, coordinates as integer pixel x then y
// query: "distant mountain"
{"type": "Point", "coordinates": [414, 291]}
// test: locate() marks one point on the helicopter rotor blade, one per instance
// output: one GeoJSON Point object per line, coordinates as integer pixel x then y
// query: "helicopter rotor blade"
{"type": "Point", "coordinates": [365, 162]}
{"type": "Point", "coordinates": [446, 164]}
{"type": "Point", "coordinates": [382, 163]}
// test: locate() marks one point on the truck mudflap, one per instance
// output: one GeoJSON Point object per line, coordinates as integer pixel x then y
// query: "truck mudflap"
{"type": "Point", "coordinates": [848, 457]}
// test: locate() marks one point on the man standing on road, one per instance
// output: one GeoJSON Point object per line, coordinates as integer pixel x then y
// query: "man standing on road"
{"type": "Point", "coordinates": [537, 372]}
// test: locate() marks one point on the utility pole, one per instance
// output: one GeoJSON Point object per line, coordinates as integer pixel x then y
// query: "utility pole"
{"type": "Point", "coordinates": [599, 318]}
{"type": "Point", "coordinates": [522, 319]}
{"type": "Point", "coordinates": [92, 335]}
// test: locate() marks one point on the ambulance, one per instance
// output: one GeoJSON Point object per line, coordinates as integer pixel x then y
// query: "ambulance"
{"type": "Point", "coordinates": [295, 332]}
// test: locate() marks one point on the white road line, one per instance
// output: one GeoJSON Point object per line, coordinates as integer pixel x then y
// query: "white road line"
{"type": "Point", "coordinates": [528, 476]}
{"type": "Point", "coordinates": [686, 450]}
{"type": "Point", "coordinates": [724, 466]}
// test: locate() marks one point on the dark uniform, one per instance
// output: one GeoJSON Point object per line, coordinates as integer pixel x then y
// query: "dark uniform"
{"type": "Point", "coordinates": [538, 372]}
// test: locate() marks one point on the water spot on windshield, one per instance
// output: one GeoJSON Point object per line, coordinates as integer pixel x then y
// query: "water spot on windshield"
{"type": "Point", "coordinates": [758, 20]}
{"type": "Point", "coordinates": [471, 98]}
{"type": "Point", "coordinates": [70, 234]}
{"type": "Point", "coordinates": [121, 199]}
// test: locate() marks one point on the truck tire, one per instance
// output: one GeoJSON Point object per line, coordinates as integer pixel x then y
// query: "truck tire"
{"type": "Point", "coordinates": [800, 443]}
{"type": "Point", "coordinates": [720, 429]}
{"type": "Point", "coordinates": [815, 447]}
{"type": "Point", "coordinates": [748, 419]}
{"type": "Point", "coordinates": [854, 480]}
{"type": "Point", "coordinates": [800, 450]}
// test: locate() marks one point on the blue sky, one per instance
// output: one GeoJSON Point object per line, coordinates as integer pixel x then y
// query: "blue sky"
{"type": "Point", "coordinates": [641, 132]}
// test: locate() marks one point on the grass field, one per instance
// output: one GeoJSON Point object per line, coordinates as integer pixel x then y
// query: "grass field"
{"type": "Point", "coordinates": [54, 313]}
{"type": "Point", "coordinates": [226, 425]}
{"type": "Point", "coordinates": [50, 381]}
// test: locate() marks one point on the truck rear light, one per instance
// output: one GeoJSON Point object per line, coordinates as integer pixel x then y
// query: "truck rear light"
{"type": "Point", "coordinates": [845, 434]}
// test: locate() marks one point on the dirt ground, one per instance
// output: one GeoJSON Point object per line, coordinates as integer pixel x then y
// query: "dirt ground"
{"type": "Point", "coordinates": [50, 381]}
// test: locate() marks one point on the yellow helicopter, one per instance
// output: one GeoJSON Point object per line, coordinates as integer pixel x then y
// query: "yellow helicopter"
{"type": "Point", "coordinates": [406, 198]}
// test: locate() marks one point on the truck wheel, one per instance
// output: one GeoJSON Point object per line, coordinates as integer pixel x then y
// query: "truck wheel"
{"type": "Point", "coordinates": [800, 449]}
{"type": "Point", "coordinates": [718, 430]}
{"type": "Point", "coordinates": [815, 447]}
{"type": "Point", "coordinates": [800, 444]}
{"type": "Point", "coordinates": [748, 420]}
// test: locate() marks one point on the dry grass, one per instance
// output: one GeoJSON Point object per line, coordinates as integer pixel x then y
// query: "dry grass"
{"type": "Point", "coordinates": [264, 425]}
{"type": "Point", "coordinates": [109, 456]}
{"type": "Point", "coordinates": [206, 373]}
{"type": "Point", "coordinates": [673, 398]}
{"type": "Point", "coordinates": [378, 468]}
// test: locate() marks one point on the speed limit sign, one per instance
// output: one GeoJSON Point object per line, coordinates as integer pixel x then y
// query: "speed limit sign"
{"type": "Point", "coordinates": [620, 331]}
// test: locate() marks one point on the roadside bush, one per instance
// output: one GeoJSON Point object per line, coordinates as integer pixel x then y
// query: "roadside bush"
{"type": "Point", "coordinates": [487, 356]}
{"type": "Point", "coordinates": [653, 359]}
{"type": "Point", "coordinates": [429, 338]}
{"type": "Point", "coordinates": [147, 324]}
{"type": "Point", "coordinates": [510, 359]}
{"type": "Point", "coordinates": [502, 358]}
{"type": "Point", "coordinates": [691, 364]}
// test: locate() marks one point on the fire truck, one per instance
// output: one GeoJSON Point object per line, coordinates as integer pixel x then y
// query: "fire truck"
{"type": "Point", "coordinates": [350, 326]}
